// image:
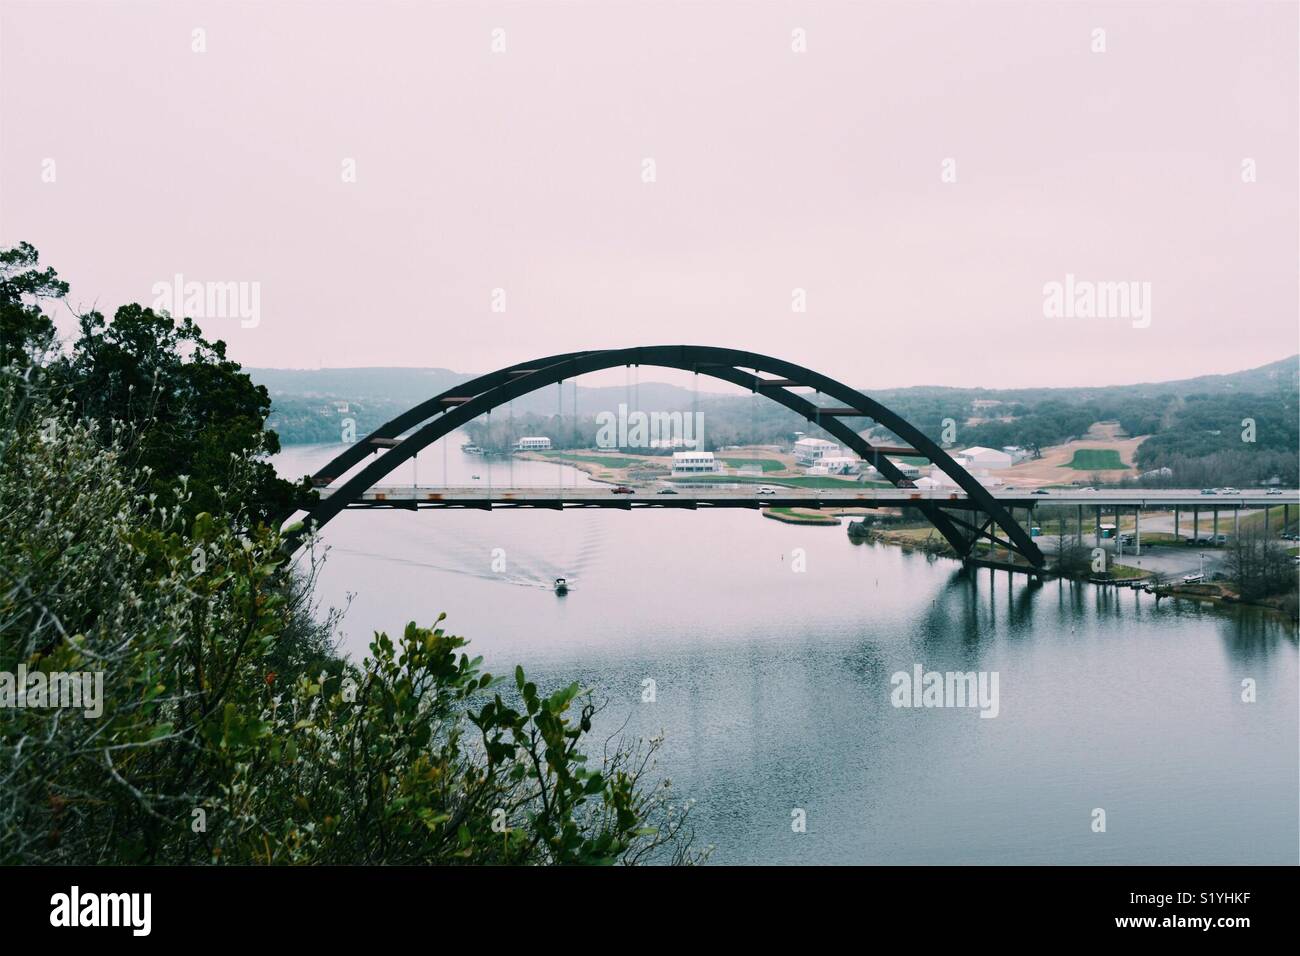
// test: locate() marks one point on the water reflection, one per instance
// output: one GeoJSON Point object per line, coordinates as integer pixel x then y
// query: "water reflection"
{"type": "Point", "coordinates": [773, 687]}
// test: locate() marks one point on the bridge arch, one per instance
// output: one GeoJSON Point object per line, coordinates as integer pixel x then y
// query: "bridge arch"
{"type": "Point", "coordinates": [446, 412]}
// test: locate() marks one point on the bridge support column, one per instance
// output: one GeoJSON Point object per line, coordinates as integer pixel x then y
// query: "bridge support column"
{"type": "Point", "coordinates": [1177, 540]}
{"type": "Point", "coordinates": [1214, 533]}
{"type": "Point", "coordinates": [1097, 528]}
{"type": "Point", "coordinates": [1266, 511]}
{"type": "Point", "coordinates": [1196, 525]}
{"type": "Point", "coordinates": [1236, 524]}
{"type": "Point", "coordinates": [1286, 517]}
{"type": "Point", "coordinates": [1137, 531]}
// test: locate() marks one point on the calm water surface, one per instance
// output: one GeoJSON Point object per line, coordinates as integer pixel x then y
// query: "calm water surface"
{"type": "Point", "coordinates": [773, 687]}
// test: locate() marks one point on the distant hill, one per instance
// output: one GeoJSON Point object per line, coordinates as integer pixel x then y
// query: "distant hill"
{"type": "Point", "coordinates": [408, 386]}
{"type": "Point", "coordinates": [1192, 418]}
{"type": "Point", "coordinates": [403, 386]}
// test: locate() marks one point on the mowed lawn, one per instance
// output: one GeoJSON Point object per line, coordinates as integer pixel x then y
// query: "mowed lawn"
{"type": "Point", "coordinates": [1097, 459]}
{"type": "Point", "coordinates": [604, 461]}
{"type": "Point", "coordinates": [767, 464]}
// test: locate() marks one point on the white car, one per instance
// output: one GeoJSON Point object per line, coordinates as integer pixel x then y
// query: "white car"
{"type": "Point", "coordinates": [1229, 491]}
{"type": "Point", "coordinates": [1273, 491]}
{"type": "Point", "coordinates": [766, 490]}
{"type": "Point", "coordinates": [1193, 578]}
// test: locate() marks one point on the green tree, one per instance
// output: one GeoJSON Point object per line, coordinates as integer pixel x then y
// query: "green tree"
{"type": "Point", "coordinates": [188, 409]}
{"type": "Point", "coordinates": [26, 332]}
{"type": "Point", "coordinates": [226, 730]}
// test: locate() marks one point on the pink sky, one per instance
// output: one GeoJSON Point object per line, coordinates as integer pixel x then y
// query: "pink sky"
{"type": "Point", "coordinates": [775, 170]}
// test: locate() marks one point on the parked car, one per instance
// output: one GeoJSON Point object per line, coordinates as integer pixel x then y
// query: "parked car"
{"type": "Point", "coordinates": [623, 490]}
{"type": "Point", "coordinates": [766, 490]}
{"type": "Point", "coordinates": [1193, 578]}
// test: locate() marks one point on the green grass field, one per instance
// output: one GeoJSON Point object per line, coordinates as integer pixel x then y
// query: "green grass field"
{"type": "Point", "coordinates": [767, 464]}
{"type": "Point", "coordinates": [1097, 459]}
{"type": "Point", "coordinates": [1254, 521]}
{"type": "Point", "coordinates": [604, 462]}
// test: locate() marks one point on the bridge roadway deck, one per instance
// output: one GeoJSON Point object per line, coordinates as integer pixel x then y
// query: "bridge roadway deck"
{"type": "Point", "coordinates": [603, 496]}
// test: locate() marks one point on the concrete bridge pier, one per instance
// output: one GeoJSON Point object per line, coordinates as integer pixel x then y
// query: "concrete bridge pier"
{"type": "Point", "coordinates": [1176, 538]}
{"type": "Point", "coordinates": [1214, 532]}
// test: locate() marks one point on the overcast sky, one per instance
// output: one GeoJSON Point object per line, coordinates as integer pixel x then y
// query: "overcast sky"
{"type": "Point", "coordinates": [127, 156]}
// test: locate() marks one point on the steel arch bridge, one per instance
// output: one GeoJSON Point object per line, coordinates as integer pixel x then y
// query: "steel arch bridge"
{"type": "Point", "coordinates": [979, 517]}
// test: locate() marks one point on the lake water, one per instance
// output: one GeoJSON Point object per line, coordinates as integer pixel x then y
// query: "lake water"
{"type": "Point", "coordinates": [773, 685]}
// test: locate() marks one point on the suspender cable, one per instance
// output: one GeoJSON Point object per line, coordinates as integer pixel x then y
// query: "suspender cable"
{"type": "Point", "coordinates": [696, 436]}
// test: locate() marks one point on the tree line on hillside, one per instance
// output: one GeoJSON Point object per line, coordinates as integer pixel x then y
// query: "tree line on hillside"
{"type": "Point", "coordinates": [1242, 439]}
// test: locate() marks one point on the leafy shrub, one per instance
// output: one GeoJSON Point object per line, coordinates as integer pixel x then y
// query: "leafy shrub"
{"type": "Point", "coordinates": [230, 731]}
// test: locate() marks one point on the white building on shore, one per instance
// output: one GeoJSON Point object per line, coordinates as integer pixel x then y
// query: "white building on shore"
{"type": "Point", "coordinates": [981, 457]}
{"type": "Point", "coordinates": [909, 471]}
{"type": "Point", "coordinates": [809, 451]}
{"type": "Point", "coordinates": [533, 443]}
{"type": "Point", "coordinates": [695, 463]}
{"type": "Point", "coordinates": [836, 465]}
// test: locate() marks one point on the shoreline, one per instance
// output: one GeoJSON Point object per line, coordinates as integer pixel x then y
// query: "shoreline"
{"type": "Point", "coordinates": [1206, 593]}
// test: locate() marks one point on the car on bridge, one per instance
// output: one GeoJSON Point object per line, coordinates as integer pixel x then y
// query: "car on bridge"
{"type": "Point", "coordinates": [623, 490]}
{"type": "Point", "coordinates": [1209, 491]}
{"type": "Point", "coordinates": [666, 491]}
{"type": "Point", "coordinates": [1273, 491]}
{"type": "Point", "coordinates": [766, 490]}
{"type": "Point", "coordinates": [1229, 491]}
{"type": "Point", "coordinates": [1040, 491]}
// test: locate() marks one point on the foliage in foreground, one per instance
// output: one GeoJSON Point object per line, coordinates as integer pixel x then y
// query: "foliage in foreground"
{"type": "Point", "coordinates": [229, 730]}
